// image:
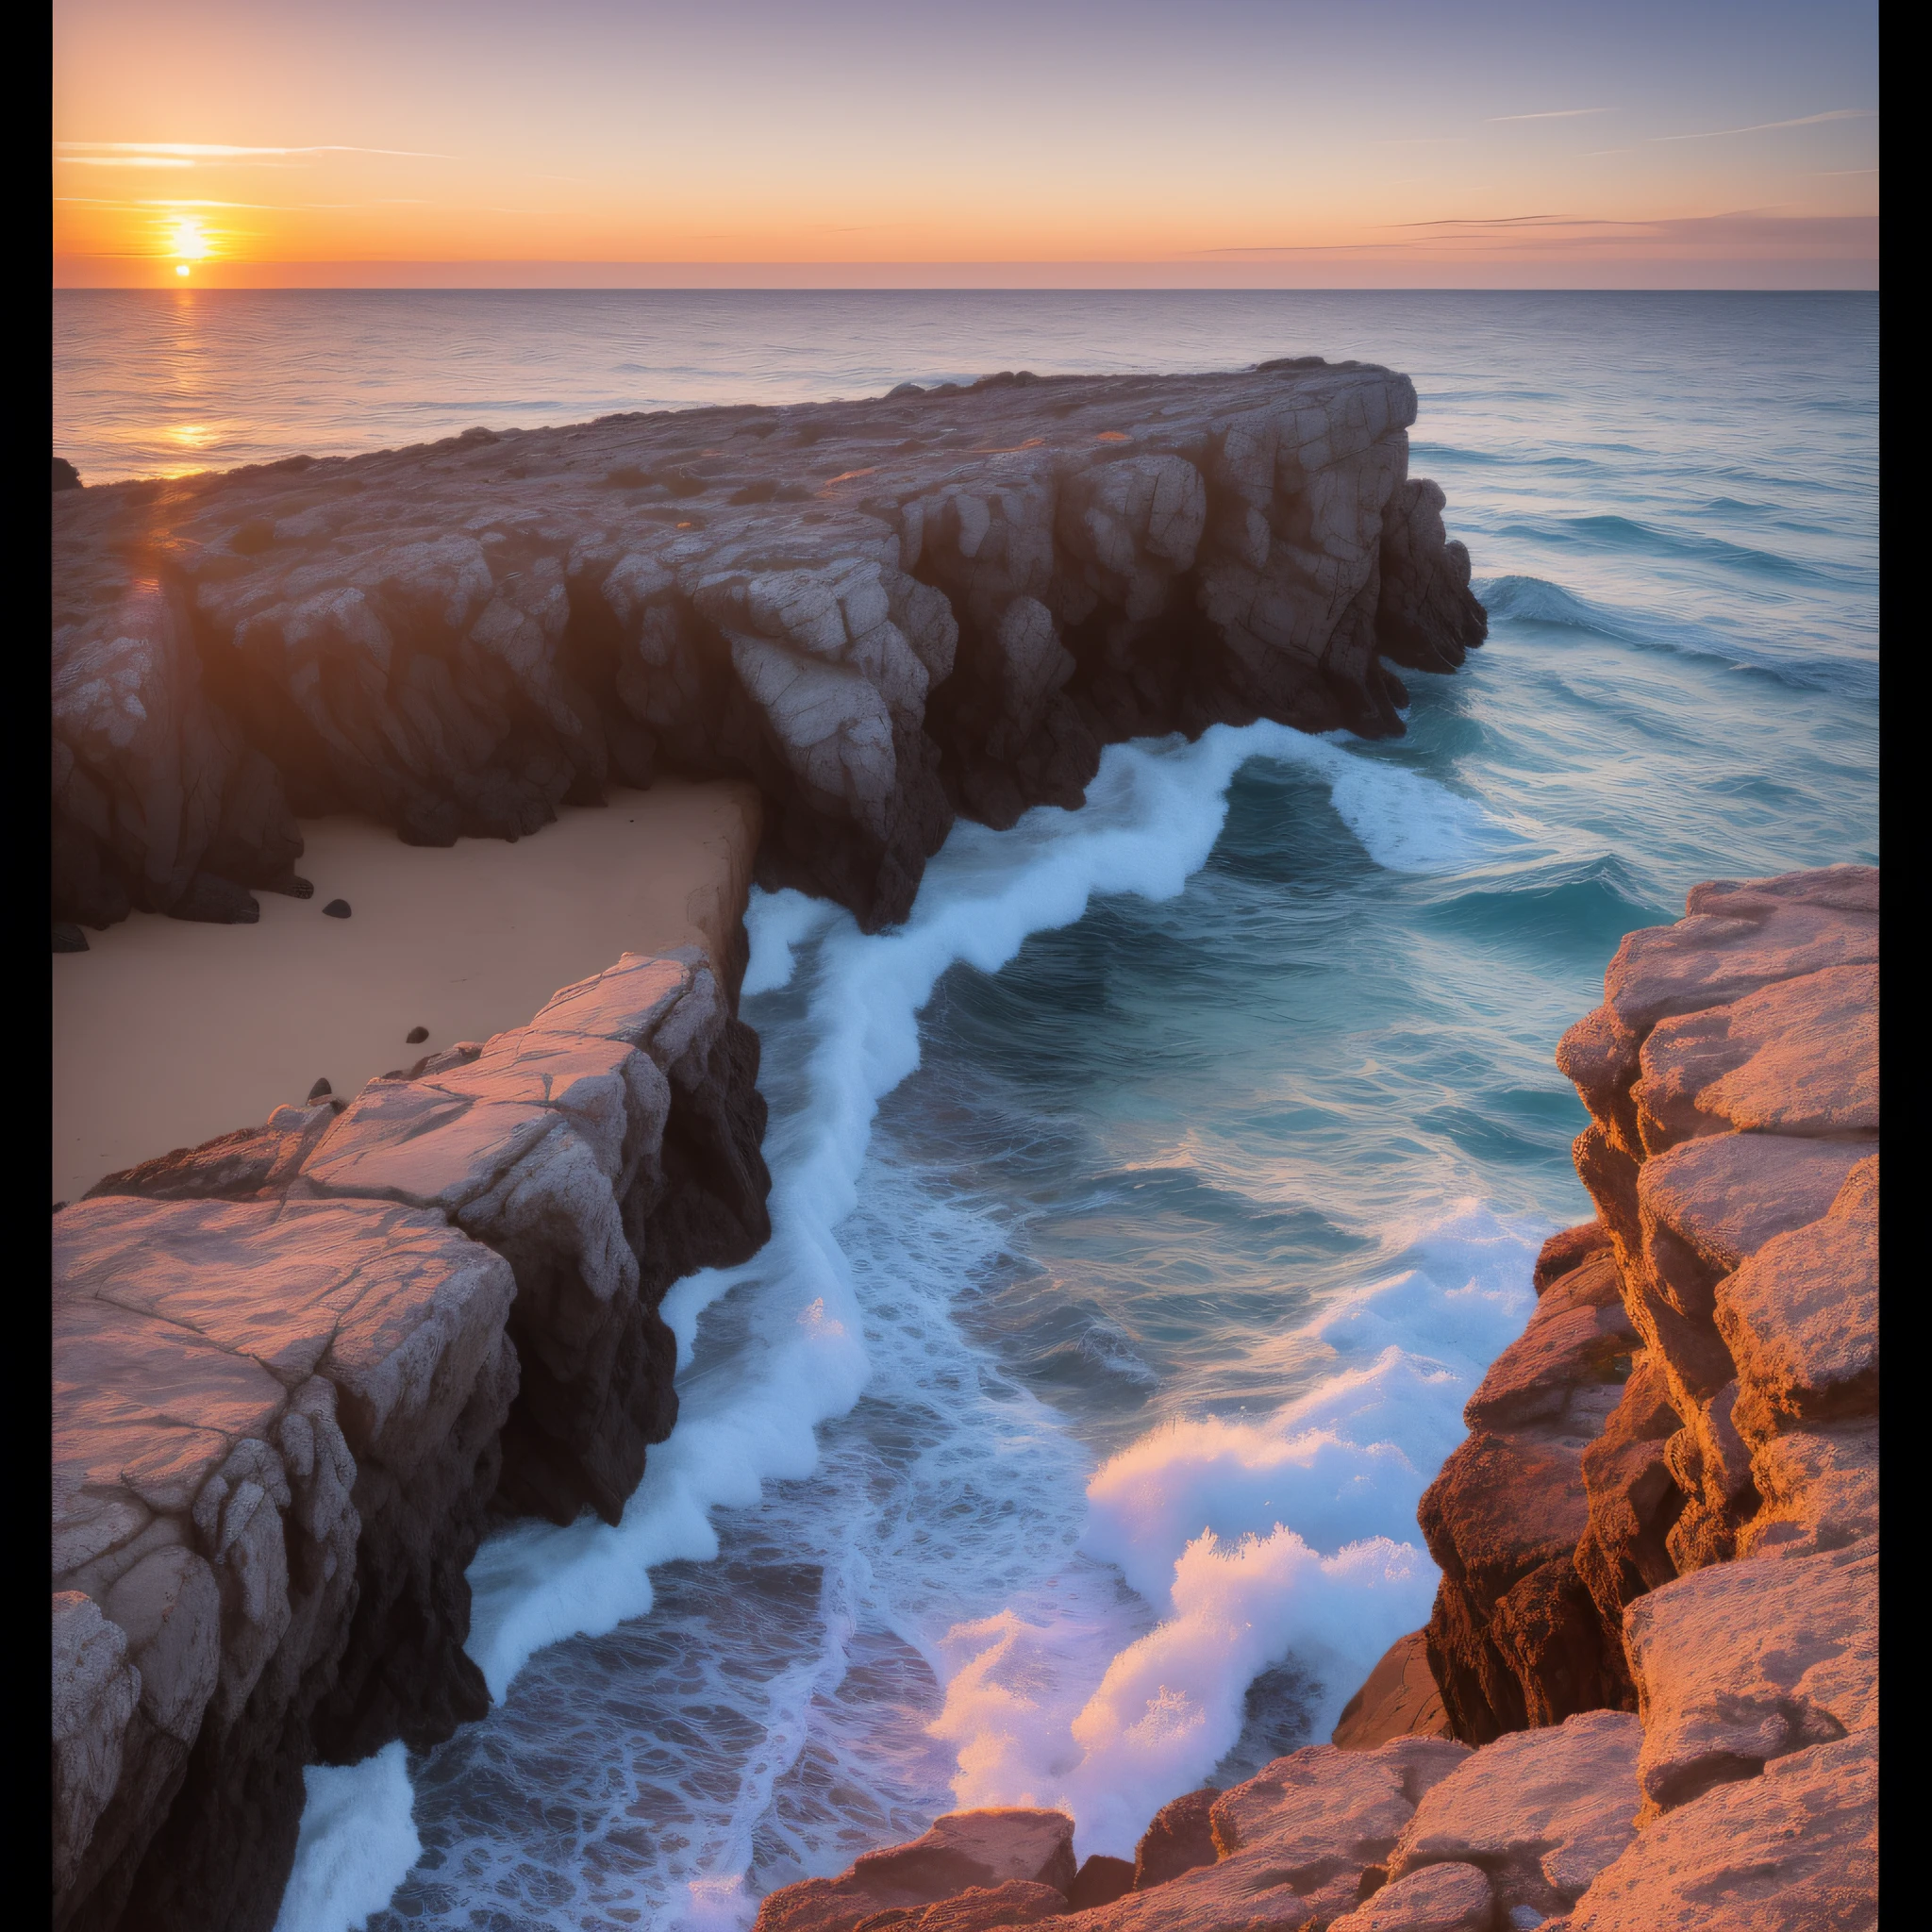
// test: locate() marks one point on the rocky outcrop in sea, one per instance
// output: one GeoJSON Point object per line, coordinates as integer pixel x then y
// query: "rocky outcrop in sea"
{"type": "Point", "coordinates": [885, 613]}
{"type": "Point", "coordinates": [297, 1373]}
{"type": "Point", "coordinates": [1656, 1636]}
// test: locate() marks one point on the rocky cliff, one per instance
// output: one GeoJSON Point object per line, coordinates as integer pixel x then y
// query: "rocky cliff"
{"type": "Point", "coordinates": [1657, 1620]}
{"type": "Point", "coordinates": [299, 1369]}
{"type": "Point", "coordinates": [884, 613]}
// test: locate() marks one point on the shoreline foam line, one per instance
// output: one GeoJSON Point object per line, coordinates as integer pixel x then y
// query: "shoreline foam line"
{"type": "Point", "coordinates": [1152, 817]}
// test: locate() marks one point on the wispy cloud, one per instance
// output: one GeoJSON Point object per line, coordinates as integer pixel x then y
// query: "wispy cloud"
{"type": "Point", "coordinates": [1481, 221]}
{"type": "Point", "coordinates": [1546, 114]}
{"type": "Point", "coordinates": [185, 153]}
{"type": "Point", "coordinates": [1766, 126]}
{"type": "Point", "coordinates": [162, 201]}
{"type": "Point", "coordinates": [1838, 173]}
{"type": "Point", "coordinates": [1420, 141]}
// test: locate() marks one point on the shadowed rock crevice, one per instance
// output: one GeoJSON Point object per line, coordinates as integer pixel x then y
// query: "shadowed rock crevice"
{"type": "Point", "coordinates": [883, 613]}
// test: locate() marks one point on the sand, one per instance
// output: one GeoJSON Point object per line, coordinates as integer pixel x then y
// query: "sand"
{"type": "Point", "coordinates": [167, 1033]}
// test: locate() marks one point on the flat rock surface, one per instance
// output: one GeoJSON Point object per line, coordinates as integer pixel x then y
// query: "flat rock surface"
{"type": "Point", "coordinates": [1795, 1850]}
{"type": "Point", "coordinates": [1797, 1056]}
{"type": "Point", "coordinates": [1745, 1662]}
{"type": "Point", "coordinates": [1541, 1811]}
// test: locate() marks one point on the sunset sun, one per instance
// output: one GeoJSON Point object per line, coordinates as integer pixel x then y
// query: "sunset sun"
{"type": "Point", "coordinates": [189, 246]}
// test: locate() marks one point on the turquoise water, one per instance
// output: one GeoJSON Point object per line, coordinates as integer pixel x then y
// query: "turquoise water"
{"type": "Point", "coordinates": [1180, 1164]}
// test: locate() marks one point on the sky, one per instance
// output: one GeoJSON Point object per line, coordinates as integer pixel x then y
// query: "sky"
{"type": "Point", "coordinates": [1005, 143]}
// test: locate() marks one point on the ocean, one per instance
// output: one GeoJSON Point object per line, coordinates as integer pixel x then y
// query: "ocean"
{"type": "Point", "coordinates": [1147, 1207]}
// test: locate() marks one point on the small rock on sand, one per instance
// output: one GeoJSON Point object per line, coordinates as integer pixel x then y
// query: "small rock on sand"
{"type": "Point", "coordinates": [321, 1090]}
{"type": "Point", "coordinates": [336, 908]}
{"type": "Point", "coordinates": [415, 1036]}
{"type": "Point", "coordinates": [69, 939]}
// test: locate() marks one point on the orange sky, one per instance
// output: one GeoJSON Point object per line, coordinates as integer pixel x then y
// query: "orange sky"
{"type": "Point", "coordinates": [1226, 142]}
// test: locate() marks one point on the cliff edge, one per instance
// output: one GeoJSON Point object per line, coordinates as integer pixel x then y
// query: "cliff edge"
{"type": "Point", "coordinates": [883, 613]}
{"type": "Point", "coordinates": [296, 1372]}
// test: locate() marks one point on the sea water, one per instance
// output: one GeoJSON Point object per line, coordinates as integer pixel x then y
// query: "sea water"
{"type": "Point", "coordinates": [1146, 1207]}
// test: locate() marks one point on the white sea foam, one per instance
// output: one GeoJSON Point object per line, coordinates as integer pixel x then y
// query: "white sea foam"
{"type": "Point", "coordinates": [357, 1845]}
{"type": "Point", "coordinates": [1052, 1697]}
{"type": "Point", "coordinates": [1255, 1540]}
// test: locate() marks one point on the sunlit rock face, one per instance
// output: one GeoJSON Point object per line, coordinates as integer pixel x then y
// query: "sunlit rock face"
{"type": "Point", "coordinates": [885, 612]}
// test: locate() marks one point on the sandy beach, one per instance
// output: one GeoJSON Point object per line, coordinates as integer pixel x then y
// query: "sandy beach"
{"type": "Point", "coordinates": [167, 1033]}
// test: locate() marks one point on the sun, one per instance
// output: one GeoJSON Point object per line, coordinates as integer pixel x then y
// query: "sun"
{"type": "Point", "coordinates": [191, 242]}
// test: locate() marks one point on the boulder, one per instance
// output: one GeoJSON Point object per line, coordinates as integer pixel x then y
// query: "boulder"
{"type": "Point", "coordinates": [1540, 1811]}
{"type": "Point", "coordinates": [980, 1862]}
{"type": "Point", "coordinates": [1301, 1843]}
{"type": "Point", "coordinates": [1179, 1837]}
{"type": "Point", "coordinates": [1398, 1699]}
{"type": "Point", "coordinates": [1433, 1898]}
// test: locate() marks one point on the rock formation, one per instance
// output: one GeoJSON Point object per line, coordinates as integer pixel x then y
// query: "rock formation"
{"type": "Point", "coordinates": [1658, 1617]}
{"type": "Point", "coordinates": [296, 1369]}
{"type": "Point", "coordinates": [884, 613]}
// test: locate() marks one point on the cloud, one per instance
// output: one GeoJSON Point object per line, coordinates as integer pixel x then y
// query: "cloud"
{"type": "Point", "coordinates": [1547, 114]}
{"type": "Point", "coordinates": [1766, 126]}
{"type": "Point", "coordinates": [1753, 231]}
{"type": "Point", "coordinates": [186, 154]}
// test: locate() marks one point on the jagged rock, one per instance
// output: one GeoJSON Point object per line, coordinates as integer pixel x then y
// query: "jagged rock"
{"type": "Point", "coordinates": [1743, 1662]}
{"type": "Point", "coordinates": [245, 1165]}
{"type": "Point", "coordinates": [880, 613]}
{"type": "Point", "coordinates": [288, 1390]}
{"type": "Point", "coordinates": [1301, 1843]}
{"type": "Point", "coordinates": [1513, 1638]}
{"type": "Point", "coordinates": [1793, 1851]}
{"type": "Point", "coordinates": [1633, 1500]}
{"type": "Point", "coordinates": [1099, 1881]}
{"type": "Point", "coordinates": [1179, 1837]}
{"type": "Point", "coordinates": [1731, 1077]}
{"type": "Point", "coordinates": [1567, 1250]}
{"type": "Point", "coordinates": [981, 1908]}
{"type": "Point", "coordinates": [1577, 1344]}
{"type": "Point", "coordinates": [1435, 1898]}
{"type": "Point", "coordinates": [998, 1859]}
{"type": "Point", "coordinates": [1398, 1699]}
{"type": "Point", "coordinates": [1541, 1811]}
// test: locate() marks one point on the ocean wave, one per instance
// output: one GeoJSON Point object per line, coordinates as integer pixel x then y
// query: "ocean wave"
{"type": "Point", "coordinates": [1555, 908]}
{"type": "Point", "coordinates": [1257, 1540]}
{"type": "Point", "coordinates": [1611, 532]}
{"type": "Point", "coordinates": [798, 1356]}
{"type": "Point", "coordinates": [1537, 600]}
